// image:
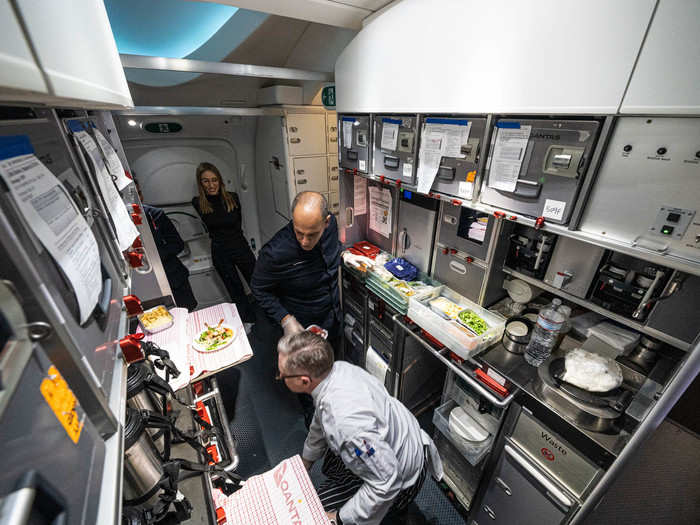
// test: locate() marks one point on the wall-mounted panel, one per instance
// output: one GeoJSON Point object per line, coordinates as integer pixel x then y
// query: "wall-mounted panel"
{"type": "Point", "coordinates": [666, 79]}
{"type": "Point", "coordinates": [480, 56]}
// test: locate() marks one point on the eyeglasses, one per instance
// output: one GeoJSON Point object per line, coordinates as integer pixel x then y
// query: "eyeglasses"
{"type": "Point", "coordinates": [281, 377]}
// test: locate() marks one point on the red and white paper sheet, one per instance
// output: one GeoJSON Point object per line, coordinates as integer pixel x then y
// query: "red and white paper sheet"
{"type": "Point", "coordinates": [281, 496]}
{"type": "Point", "coordinates": [194, 365]}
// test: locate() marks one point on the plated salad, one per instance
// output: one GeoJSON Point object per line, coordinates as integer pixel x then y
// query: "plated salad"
{"type": "Point", "coordinates": [214, 337]}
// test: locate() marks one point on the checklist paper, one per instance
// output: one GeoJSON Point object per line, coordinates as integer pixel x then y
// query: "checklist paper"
{"type": "Point", "coordinates": [281, 496]}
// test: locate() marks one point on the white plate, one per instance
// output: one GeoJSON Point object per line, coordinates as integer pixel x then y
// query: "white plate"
{"type": "Point", "coordinates": [201, 348]}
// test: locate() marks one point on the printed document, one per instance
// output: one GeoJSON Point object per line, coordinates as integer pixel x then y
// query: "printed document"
{"type": "Point", "coordinates": [439, 140]}
{"type": "Point", "coordinates": [114, 165]}
{"type": "Point", "coordinates": [380, 210]}
{"type": "Point", "coordinates": [508, 154]}
{"type": "Point", "coordinates": [359, 195]}
{"type": "Point", "coordinates": [347, 133]}
{"type": "Point", "coordinates": [52, 215]}
{"type": "Point", "coordinates": [390, 135]}
{"type": "Point", "coordinates": [123, 225]}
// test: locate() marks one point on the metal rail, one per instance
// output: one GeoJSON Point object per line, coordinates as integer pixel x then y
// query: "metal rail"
{"type": "Point", "coordinates": [483, 391]}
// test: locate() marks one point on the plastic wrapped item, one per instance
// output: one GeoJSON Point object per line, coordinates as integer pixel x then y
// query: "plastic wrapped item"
{"type": "Point", "coordinates": [591, 372]}
{"type": "Point", "coordinates": [472, 451]}
{"type": "Point", "coordinates": [581, 324]}
{"type": "Point", "coordinates": [463, 342]}
{"type": "Point", "coordinates": [395, 291]}
{"type": "Point", "coordinates": [464, 426]}
{"type": "Point", "coordinates": [619, 338]}
{"type": "Point", "coordinates": [402, 269]}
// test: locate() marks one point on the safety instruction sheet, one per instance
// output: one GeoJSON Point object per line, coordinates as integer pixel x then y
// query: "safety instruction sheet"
{"type": "Point", "coordinates": [359, 196]}
{"type": "Point", "coordinates": [439, 138]}
{"type": "Point", "coordinates": [390, 133]}
{"type": "Point", "coordinates": [283, 495]}
{"type": "Point", "coordinates": [508, 154]}
{"type": "Point", "coordinates": [380, 210]}
{"type": "Point", "coordinates": [124, 226]}
{"type": "Point", "coordinates": [51, 214]}
{"type": "Point", "coordinates": [114, 165]}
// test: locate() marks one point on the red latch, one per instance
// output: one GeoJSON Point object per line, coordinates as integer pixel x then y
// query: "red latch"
{"type": "Point", "coordinates": [430, 338]}
{"type": "Point", "coordinates": [348, 171]}
{"type": "Point", "coordinates": [445, 251]}
{"type": "Point", "coordinates": [499, 214]}
{"type": "Point", "coordinates": [131, 349]}
{"type": "Point", "coordinates": [398, 183]}
{"type": "Point", "coordinates": [132, 305]}
{"type": "Point", "coordinates": [490, 382]}
{"type": "Point", "coordinates": [354, 171]}
{"type": "Point", "coordinates": [202, 411]}
{"type": "Point", "coordinates": [198, 388]}
{"type": "Point", "coordinates": [137, 219]}
{"type": "Point", "coordinates": [136, 208]}
{"type": "Point", "coordinates": [456, 358]}
{"type": "Point", "coordinates": [138, 243]}
{"type": "Point", "coordinates": [469, 259]}
{"type": "Point", "coordinates": [135, 259]}
{"type": "Point", "coordinates": [452, 251]}
{"type": "Point", "coordinates": [220, 516]}
{"type": "Point", "coordinates": [456, 202]}
{"type": "Point", "coordinates": [128, 175]}
{"type": "Point", "coordinates": [539, 222]}
{"type": "Point", "coordinates": [513, 217]}
{"type": "Point", "coordinates": [214, 453]}
{"type": "Point", "coordinates": [381, 178]}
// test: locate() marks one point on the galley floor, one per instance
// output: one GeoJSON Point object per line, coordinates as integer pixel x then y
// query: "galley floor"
{"type": "Point", "coordinates": [268, 425]}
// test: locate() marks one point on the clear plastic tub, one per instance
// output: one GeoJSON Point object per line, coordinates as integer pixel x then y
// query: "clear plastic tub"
{"type": "Point", "coordinates": [473, 451]}
{"type": "Point", "coordinates": [391, 291]}
{"type": "Point", "coordinates": [449, 332]}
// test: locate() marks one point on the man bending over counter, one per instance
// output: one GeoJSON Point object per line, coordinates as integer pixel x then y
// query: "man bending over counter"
{"type": "Point", "coordinates": [376, 456]}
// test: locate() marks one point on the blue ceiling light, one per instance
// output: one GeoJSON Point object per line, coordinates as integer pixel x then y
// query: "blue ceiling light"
{"type": "Point", "coordinates": [166, 28]}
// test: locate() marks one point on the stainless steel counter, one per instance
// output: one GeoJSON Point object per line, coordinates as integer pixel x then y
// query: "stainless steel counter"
{"type": "Point", "coordinates": [514, 368]}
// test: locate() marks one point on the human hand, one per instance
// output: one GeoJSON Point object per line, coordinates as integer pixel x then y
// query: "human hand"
{"type": "Point", "coordinates": [307, 463]}
{"type": "Point", "coordinates": [290, 325]}
{"type": "Point", "coordinates": [332, 515]}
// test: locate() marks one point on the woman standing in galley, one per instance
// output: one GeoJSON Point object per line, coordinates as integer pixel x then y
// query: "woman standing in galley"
{"type": "Point", "coordinates": [220, 211]}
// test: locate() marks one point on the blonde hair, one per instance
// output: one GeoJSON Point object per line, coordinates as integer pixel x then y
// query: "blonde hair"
{"type": "Point", "coordinates": [226, 199]}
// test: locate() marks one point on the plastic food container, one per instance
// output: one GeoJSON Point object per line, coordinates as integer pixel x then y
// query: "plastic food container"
{"type": "Point", "coordinates": [448, 331]}
{"type": "Point", "coordinates": [366, 248]}
{"type": "Point", "coordinates": [397, 292]}
{"type": "Point", "coordinates": [155, 319]}
{"type": "Point", "coordinates": [444, 308]}
{"type": "Point", "coordinates": [472, 450]}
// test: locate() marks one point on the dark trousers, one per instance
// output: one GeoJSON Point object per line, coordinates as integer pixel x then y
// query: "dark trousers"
{"type": "Point", "coordinates": [227, 259]}
{"type": "Point", "coordinates": [183, 296]}
{"type": "Point", "coordinates": [341, 485]}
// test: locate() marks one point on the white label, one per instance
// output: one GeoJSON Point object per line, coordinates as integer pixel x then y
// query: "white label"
{"type": "Point", "coordinates": [347, 134]}
{"type": "Point", "coordinates": [496, 377]}
{"type": "Point", "coordinates": [508, 154]}
{"type": "Point", "coordinates": [380, 210]}
{"type": "Point", "coordinates": [553, 209]}
{"type": "Point", "coordinates": [408, 171]}
{"type": "Point", "coordinates": [466, 190]}
{"type": "Point", "coordinates": [359, 196]}
{"type": "Point", "coordinates": [390, 135]}
{"type": "Point", "coordinates": [362, 165]}
{"type": "Point", "coordinates": [50, 213]}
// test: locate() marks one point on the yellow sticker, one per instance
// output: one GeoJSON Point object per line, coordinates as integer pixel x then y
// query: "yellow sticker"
{"type": "Point", "coordinates": [60, 398]}
{"type": "Point", "coordinates": [471, 176]}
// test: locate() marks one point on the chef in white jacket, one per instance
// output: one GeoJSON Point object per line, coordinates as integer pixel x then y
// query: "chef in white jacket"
{"type": "Point", "coordinates": [375, 454]}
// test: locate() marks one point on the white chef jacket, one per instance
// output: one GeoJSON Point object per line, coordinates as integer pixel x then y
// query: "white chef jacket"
{"type": "Point", "coordinates": [374, 434]}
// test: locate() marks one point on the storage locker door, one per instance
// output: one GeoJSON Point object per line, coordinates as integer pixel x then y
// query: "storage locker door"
{"type": "Point", "coordinates": [332, 132]}
{"type": "Point", "coordinates": [333, 174]}
{"type": "Point", "coordinates": [463, 277]}
{"type": "Point", "coordinates": [311, 174]}
{"type": "Point", "coordinates": [352, 225]}
{"type": "Point", "coordinates": [306, 134]}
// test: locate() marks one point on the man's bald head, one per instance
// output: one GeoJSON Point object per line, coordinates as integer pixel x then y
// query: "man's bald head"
{"type": "Point", "coordinates": [310, 218]}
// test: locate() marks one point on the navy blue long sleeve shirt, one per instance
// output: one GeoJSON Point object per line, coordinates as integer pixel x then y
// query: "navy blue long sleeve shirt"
{"type": "Point", "coordinates": [290, 280]}
{"type": "Point", "coordinates": [169, 244]}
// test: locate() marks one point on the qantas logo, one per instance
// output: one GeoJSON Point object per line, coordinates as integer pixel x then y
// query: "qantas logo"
{"type": "Point", "coordinates": [553, 443]}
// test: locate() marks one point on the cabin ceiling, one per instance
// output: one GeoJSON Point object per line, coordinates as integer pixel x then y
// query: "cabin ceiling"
{"type": "Point", "coordinates": [220, 33]}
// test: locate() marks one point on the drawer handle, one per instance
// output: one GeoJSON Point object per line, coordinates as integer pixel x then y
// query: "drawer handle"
{"type": "Point", "coordinates": [333, 129]}
{"type": "Point", "coordinates": [293, 129]}
{"type": "Point", "coordinates": [504, 487]}
{"type": "Point", "coordinates": [491, 513]}
{"type": "Point", "coordinates": [295, 141]}
{"type": "Point", "coordinates": [301, 181]}
{"type": "Point", "coordinates": [334, 177]}
{"type": "Point", "coordinates": [458, 267]}
{"type": "Point", "coordinates": [334, 168]}
{"type": "Point", "coordinates": [334, 139]}
{"type": "Point", "coordinates": [300, 172]}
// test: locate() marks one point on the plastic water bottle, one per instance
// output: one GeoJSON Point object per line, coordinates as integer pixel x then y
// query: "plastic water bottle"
{"type": "Point", "coordinates": [544, 337]}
